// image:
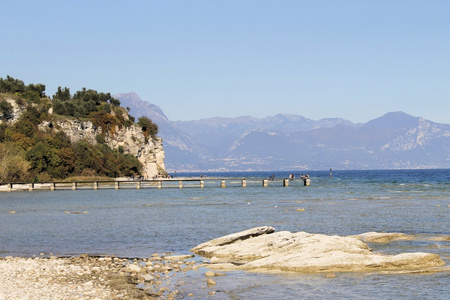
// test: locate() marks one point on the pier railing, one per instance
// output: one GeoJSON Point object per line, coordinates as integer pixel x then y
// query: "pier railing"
{"type": "Point", "coordinates": [154, 183]}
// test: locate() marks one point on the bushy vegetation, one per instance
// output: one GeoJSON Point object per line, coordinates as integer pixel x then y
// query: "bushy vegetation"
{"type": "Point", "coordinates": [148, 127]}
{"type": "Point", "coordinates": [30, 154]}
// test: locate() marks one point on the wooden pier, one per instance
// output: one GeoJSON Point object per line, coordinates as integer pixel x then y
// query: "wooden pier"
{"type": "Point", "coordinates": [152, 184]}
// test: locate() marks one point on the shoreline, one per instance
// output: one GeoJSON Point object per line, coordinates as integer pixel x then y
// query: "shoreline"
{"type": "Point", "coordinates": [92, 277]}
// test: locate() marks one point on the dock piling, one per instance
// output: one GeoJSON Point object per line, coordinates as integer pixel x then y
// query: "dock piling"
{"type": "Point", "coordinates": [143, 184]}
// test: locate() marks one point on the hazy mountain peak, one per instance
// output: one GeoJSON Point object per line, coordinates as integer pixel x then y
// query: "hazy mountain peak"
{"type": "Point", "coordinates": [393, 119]}
{"type": "Point", "coordinates": [139, 107]}
{"type": "Point", "coordinates": [132, 96]}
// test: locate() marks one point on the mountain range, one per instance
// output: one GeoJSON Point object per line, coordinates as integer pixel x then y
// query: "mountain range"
{"type": "Point", "coordinates": [291, 142]}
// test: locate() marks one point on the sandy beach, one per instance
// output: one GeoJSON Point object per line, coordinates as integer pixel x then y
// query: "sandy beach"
{"type": "Point", "coordinates": [88, 277]}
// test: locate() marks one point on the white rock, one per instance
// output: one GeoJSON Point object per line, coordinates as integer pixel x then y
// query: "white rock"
{"type": "Point", "coordinates": [148, 277]}
{"type": "Point", "coordinates": [305, 252]}
{"type": "Point", "coordinates": [133, 268]}
{"type": "Point", "coordinates": [178, 257]}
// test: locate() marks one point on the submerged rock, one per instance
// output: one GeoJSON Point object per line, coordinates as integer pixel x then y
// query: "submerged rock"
{"type": "Point", "coordinates": [263, 249]}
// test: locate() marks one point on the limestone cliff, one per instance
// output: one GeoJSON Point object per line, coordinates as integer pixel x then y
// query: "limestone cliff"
{"type": "Point", "coordinates": [150, 154]}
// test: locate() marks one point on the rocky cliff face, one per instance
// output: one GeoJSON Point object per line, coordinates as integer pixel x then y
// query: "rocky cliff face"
{"type": "Point", "coordinates": [151, 154]}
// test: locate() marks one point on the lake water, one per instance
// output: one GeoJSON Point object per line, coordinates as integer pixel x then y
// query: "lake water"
{"type": "Point", "coordinates": [138, 223]}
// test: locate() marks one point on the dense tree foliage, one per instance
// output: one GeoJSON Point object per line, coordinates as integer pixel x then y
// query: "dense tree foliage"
{"type": "Point", "coordinates": [32, 92]}
{"type": "Point", "coordinates": [148, 127]}
{"type": "Point", "coordinates": [30, 154]}
{"type": "Point", "coordinates": [13, 165]}
{"type": "Point", "coordinates": [83, 103]}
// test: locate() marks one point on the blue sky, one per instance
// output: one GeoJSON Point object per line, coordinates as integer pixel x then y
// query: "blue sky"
{"type": "Point", "coordinates": [354, 59]}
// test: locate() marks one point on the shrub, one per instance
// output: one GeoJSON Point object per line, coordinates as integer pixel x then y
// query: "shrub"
{"type": "Point", "coordinates": [148, 127]}
{"type": "Point", "coordinates": [6, 110]}
{"type": "Point", "coordinates": [13, 165]}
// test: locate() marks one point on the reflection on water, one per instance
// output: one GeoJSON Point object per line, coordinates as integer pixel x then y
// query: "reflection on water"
{"type": "Point", "coordinates": [138, 223]}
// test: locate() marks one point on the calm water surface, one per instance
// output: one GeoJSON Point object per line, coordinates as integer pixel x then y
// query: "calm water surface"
{"type": "Point", "coordinates": [138, 223]}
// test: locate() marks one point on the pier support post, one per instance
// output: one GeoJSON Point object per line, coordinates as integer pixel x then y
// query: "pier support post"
{"type": "Point", "coordinates": [202, 184]}
{"type": "Point", "coordinates": [52, 186]}
{"type": "Point", "coordinates": [30, 187]}
{"type": "Point", "coordinates": [244, 183]}
{"type": "Point", "coordinates": [160, 184]}
{"type": "Point", "coordinates": [180, 184]}
{"type": "Point", "coordinates": [265, 182]}
{"type": "Point", "coordinates": [307, 182]}
{"type": "Point", "coordinates": [116, 186]}
{"type": "Point", "coordinates": [95, 185]}
{"type": "Point", "coordinates": [10, 187]}
{"type": "Point", "coordinates": [138, 185]}
{"type": "Point", "coordinates": [222, 184]}
{"type": "Point", "coordinates": [74, 186]}
{"type": "Point", "coordinates": [285, 182]}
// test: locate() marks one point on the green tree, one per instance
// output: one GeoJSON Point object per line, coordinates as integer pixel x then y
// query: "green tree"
{"type": "Point", "coordinates": [84, 156]}
{"type": "Point", "coordinates": [37, 88]}
{"type": "Point", "coordinates": [32, 96]}
{"type": "Point", "coordinates": [59, 108]}
{"type": "Point", "coordinates": [28, 121]}
{"type": "Point", "coordinates": [148, 127]}
{"type": "Point", "coordinates": [6, 110]}
{"type": "Point", "coordinates": [39, 157]}
{"type": "Point", "coordinates": [65, 165]}
{"type": "Point", "coordinates": [62, 95]}
{"type": "Point", "coordinates": [130, 166]}
{"type": "Point", "coordinates": [114, 101]}
{"type": "Point", "coordinates": [13, 165]}
{"type": "Point", "coordinates": [11, 85]}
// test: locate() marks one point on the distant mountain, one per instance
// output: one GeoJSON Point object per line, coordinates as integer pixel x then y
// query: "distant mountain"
{"type": "Point", "coordinates": [179, 147]}
{"type": "Point", "coordinates": [219, 134]}
{"type": "Point", "coordinates": [292, 142]}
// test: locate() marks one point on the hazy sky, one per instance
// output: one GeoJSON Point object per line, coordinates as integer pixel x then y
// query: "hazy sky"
{"type": "Point", "coordinates": [355, 59]}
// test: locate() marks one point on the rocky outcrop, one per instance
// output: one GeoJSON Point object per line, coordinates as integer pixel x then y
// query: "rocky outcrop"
{"type": "Point", "coordinates": [16, 111]}
{"type": "Point", "coordinates": [265, 250]}
{"type": "Point", "coordinates": [150, 154]}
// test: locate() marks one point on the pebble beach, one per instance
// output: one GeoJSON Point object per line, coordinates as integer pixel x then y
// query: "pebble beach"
{"type": "Point", "coordinates": [87, 277]}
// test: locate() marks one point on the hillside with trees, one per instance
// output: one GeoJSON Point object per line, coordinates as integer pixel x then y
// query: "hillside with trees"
{"type": "Point", "coordinates": [31, 153]}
